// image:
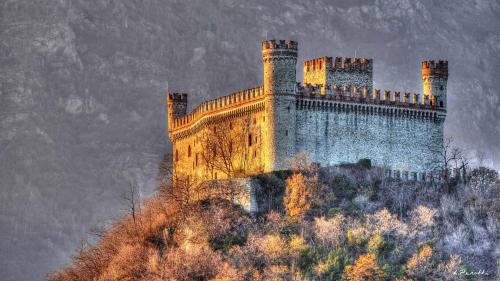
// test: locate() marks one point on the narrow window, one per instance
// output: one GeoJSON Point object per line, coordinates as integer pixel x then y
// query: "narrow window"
{"type": "Point", "coordinates": [254, 153]}
{"type": "Point", "coordinates": [189, 150]}
{"type": "Point", "coordinates": [288, 109]}
{"type": "Point", "coordinates": [230, 126]}
{"type": "Point", "coordinates": [196, 159]}
{"type": "Point", "coordinates": [176, 155]}
{"type": "Point", "coordinates": [286, 133]}
{"type": "Point", "coordinates": [249, 139]}
{"type": "Point", "coordinates": [215, 175]}
{"type": "Point", "coordinates": [441, 104]}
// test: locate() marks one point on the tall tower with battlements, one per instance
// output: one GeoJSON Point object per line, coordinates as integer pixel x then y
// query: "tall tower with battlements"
{"type": "Point", "coordinates": [280, 85]}
{"type": "Point", "coordinates": [435, 80]}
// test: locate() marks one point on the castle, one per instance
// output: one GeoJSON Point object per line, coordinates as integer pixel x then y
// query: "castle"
{"type": "Point", "coordinates": [335, 117]}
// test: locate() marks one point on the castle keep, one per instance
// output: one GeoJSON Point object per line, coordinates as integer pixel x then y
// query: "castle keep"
{"type": "Point", "coordinates": [335, 117]}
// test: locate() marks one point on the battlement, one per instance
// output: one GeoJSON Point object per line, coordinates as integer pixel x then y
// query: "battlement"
{"type": "Point", "coordinates": [279, 49]}
{"type": "Point", "coordinates": [352, 64]}
{"type": "Point", "coordinates": [433, 68]}
{"type": "Point", "coordinates": [317, 64]}
{"type": "Point", "coordinates": [177, 97]}
{"type": "Point", "coordinates": [364, 95]}
{"type": "Point", "coordinates": [279, 44]}
{"type": "Point", "coordinates": [219, 104]}
{"type": "Point", "coordinates": [339, 64]}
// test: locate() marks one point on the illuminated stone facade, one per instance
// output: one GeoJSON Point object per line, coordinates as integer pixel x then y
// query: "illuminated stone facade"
{"type": "Point", "coordinates": [335, 117]}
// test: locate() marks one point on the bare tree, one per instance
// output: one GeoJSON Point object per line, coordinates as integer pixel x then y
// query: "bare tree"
{"type": "Point", "coordinates": [132, 199]}
{"type": "Point", "coordinates": [449, 158]}
{"type": "Point", "coordinates": [225, 147]}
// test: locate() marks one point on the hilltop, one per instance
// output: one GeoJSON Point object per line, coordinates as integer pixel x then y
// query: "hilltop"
{"type": "Point", "coordinates": [341, 223]}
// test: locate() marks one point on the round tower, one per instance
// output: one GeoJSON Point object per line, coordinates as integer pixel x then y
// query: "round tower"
{"type": "Point", "coordinates": [435, 79]}
{"type": "Point", "coordinates": [280, 83]}
{"type": "Point", "coordinates": [280, 60]}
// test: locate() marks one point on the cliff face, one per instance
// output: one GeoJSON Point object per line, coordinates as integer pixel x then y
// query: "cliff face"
{"type": "Point", "coordinates": [81, 112]}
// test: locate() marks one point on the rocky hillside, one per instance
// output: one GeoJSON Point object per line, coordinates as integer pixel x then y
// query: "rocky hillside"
{"type": "Point", "coordinates": [341, 223]}
{"type": "Point", "coordinates": [81, 110]}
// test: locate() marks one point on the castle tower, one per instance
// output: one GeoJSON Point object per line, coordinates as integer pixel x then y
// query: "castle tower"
{"type": "Point", "coordinates": [177, 107]}
{"type": "Point", "coordinates": [280, 82]}
{"type": "Point", "coordinates": [435, 78]}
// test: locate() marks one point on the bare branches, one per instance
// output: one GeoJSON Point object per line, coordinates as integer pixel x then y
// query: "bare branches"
{"type": "Point", "coordinates": [225, 147]}
{"type": "Point", "coordinates": [449, 158]}
{"type": "Point", "coordinates": [132, 199]}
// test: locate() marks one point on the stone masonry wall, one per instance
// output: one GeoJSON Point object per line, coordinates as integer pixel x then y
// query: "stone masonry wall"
{"type": "Point", "coordinates": [242, 120]}
{"type": "Point", "coordinates": [333, 136]}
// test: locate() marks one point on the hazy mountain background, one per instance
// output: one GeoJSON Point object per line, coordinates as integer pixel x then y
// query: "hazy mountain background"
{"type": "Point", "coordinates": [81, 91]}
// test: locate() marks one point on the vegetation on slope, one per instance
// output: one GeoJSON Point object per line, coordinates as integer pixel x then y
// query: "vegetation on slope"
{"type": "Point", "coordinates": [354, 225]}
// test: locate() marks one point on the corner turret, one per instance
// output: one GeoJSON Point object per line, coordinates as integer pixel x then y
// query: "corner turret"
{"type": "Point", "coordinates": [435, 79]}
{"type": "Point", "coordinates": [177, 107]}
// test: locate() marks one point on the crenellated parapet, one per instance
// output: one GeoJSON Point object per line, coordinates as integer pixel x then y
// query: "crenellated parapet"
{"type": "Point", "coordinates": [385, 98]}
{"type": "Point", "coordinates": [279, 49]}
{"type": "Point", "coordinates": [352, 64]}
{"type": "Point", "coordinates": [343, 64]}
{"type": "Point", "coordinates": [215, 106]}
{"type": "Point", "coordinates": [437, 69]}
{"type": "Point", "coordinates": [317, 64]}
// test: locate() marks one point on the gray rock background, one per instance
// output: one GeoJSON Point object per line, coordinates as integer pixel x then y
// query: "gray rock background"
{"type": "Point", "coordinates": [82, 82]}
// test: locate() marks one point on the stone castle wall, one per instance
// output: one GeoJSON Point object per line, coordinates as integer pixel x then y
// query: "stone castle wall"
{"type": "Point", "coordinates": [240, 116]}
{"type": "Point", "coordinates": [404, 139]}
{"type": "Point", "coordinates": [337, 117]}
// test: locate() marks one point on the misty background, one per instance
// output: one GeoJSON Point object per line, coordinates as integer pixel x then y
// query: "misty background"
{"type": "Point", "coordinates": [82, 83]}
